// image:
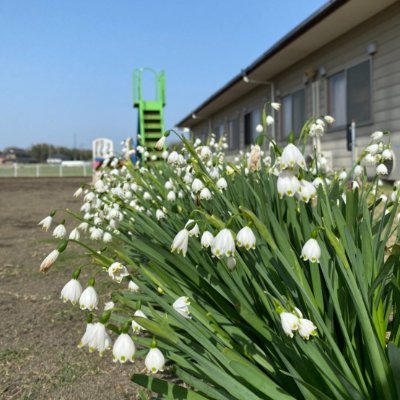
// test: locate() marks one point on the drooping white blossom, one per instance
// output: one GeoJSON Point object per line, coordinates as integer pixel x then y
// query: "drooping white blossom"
{"type": "Point", "coordinates": [117, 271]}
{"type": "Point", "coordinates": [99, 339]}
{"type": "Point", "coordinates": [89, 299]}
{"type": "Point", "coordinates": [223, 244]}
{"type": "Point", "coordinates": [46, 222]}
{"type": "Point", "coordinates": [306, 328]}
{"type": "Point", "coordinates": [154, 360]}
{"type": "Point", "coordinates": [181, 305]}
{"type": "Point", "coordinates": [311, 251]}
{"type": "Point", "coordinates": [71, 291]}
{"type": "Point", "coordinates": [206, 239]}
{"type": "Point", "coordinates": [124, 349]}
{"type": "Point", "coordinates": [246, 238]}
{"type": "Point", "coordinates": [180, 242]}
{"type": "Point", "coordinates": [74, 235]}
{"type": "Point", "coordinates": [133, 287]}
{"type": "Point", "coordinates": [222, 184]}
{"type": "Point", "coordinates": [289, 322]}
{"type": "Point", "coordinates": [197, 185]}
{"type": "Point", "coordinates": [381, 169]}
{"type": "Point", "coordinates": [135, 326]}
{"type": "Point", "coordinates": [59, 231]}
{"type": "Point", "coordinates": [292, 157]}
{"type": "Point", "coordinates": [205, 194]}
{"type": "Point", "coordinates": [287, 184]}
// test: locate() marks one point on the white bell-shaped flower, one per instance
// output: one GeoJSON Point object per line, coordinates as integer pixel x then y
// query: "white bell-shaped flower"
{"type": "Point", "coordinates": [205, 194]}
{"type": "Point", "coordinates": [160, 214]}
{"type": "Point", "coordinates": [181, 305]}
{"type": "Point", "coordinates": [107, 237]}
{"type": "Point", "coordinates": [223, 244]}
{"type": "Point", "coordinates": [342, 176]}
{"type": "Point", "coordinates": [292, 157]}
{"type": "Point", "coordinates": [171, 196]}
{"type": "Point", "coordinates": [205, 153]}
{"type": "Point", "coordinates": [60, 232]}
{"type": "Point", "coordinates": [99, 339]}
{"type": "Point", "coordinates": [188, 178]}
{"type": "Point", "coordinates": [173, 158]}
{"type": "Point", "coordinates": [306, 191]}
{"type": "Point", "coordinates": [311, 251]}
{"type": "Point", "coordinates": [89, 299]}
{"type": "Point", "coordinates": [96, 233]}
{"type": "Point", "coordinates": [377, 135]}
{"type": "Point", "coordinates": [180, 242]}
{"type": "Point", "coordinates": [276, 106]}
{"type": "Point", "coordinates": [74, 235]}
{"type": "Point", "coordinates": [78, 192]}
{"type": "Point", "coordinates": [135, 326]}
{"type": "Point", "coordinates": [133, 287]}
{"type": "Point", "coordinates": [306, 328]}
{"type": "Point", "coordinates": [206, 239]}
{"type": "Point", "coordinates": [195, 230]}
{"type": "Point", "coordinates": [71, 291]}
{"type": "Point", "coordinates": [85, 338]}
{"type": "Point", "coordinates": [358, 170]}
{"type": "Point", "coordinates": [387, 154]}
{"type": "Point", "coordinates": [222, 184]}
{"type": "Point", "coordinates": [259, 128]}
{"type": "Point", "coordinates": [124, 349]}
{"type": "Point", "coordinates": [287, 184]}
{"type": "Point", "coordinates": [197, 185]}
{"type": "Point", "coordinates": [46, 223]}
{"type": "Point", "coordinates": [289, 322]}
{"type": "Point", "coordinates": [246, 238]}
{"type": "Point", "coordinates": [117, 272]}
{"type": "Point", "coordinates": [269, 120]}
{"type": "Point", "coordinates": [154, 360]}
{"type": "Point", "coordinates": [372, 148]}
{"type": "Point", "coordinates": [381, 169]}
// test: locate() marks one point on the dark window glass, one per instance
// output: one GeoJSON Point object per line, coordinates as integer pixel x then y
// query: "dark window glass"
{"type": "Point", "coordinates": [248, 129]}
{"type": "Point", "coordinates": [359, 93]}
{"type": "Point", "coordinates": [337, 98]}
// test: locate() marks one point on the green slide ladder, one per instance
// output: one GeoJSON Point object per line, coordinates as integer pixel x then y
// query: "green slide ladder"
{"type": "Point", "coordinates": [150, 112]}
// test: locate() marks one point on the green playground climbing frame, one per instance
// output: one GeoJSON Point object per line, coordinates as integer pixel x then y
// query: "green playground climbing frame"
{"type": "Point", "coordinates": [150, 111]}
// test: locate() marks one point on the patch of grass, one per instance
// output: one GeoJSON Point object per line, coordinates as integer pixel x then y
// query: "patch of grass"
{"type": "Point", "coordinates": [10, 354]}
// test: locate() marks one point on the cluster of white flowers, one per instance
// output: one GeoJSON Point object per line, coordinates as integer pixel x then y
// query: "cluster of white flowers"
{"type": "Point", "coordinates": [291, 164]}
{"type": "Point", "coordinates": [222, 245]}
{"type": "Point", "coordinates": [294, 321]}
{"type": "Point", "coordinates": [377, 153]}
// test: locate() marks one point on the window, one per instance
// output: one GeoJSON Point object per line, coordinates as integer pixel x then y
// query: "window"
{"type": "Point", "coordinates": [251, 120]}
{"type": "Point", "coordinates": [234, 134]}
{"type": "Point", "coordinates": [219, 131]}
{"type": "Point", "coordinates": [350, 95]}
{"type": "Point", "coordinates": [293, 113]}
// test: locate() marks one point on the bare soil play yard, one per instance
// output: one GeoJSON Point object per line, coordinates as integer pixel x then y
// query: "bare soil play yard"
{"type": "Point", "coordinates": [39, 358]}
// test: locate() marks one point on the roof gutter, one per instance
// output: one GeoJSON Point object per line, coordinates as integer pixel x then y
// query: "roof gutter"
{"type": "Point", "coordinates": [300, 29]}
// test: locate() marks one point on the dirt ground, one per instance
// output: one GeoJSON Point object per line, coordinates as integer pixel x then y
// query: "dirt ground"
{"type": "Point", "coordinates": [39, 358]}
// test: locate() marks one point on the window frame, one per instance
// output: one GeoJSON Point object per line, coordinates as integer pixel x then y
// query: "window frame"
{"type": "Point", "coordinates": [345, 69]}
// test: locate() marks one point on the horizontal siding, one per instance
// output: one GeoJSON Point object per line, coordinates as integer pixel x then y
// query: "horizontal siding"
{"type": "Point", "coordinates": [349, 49]}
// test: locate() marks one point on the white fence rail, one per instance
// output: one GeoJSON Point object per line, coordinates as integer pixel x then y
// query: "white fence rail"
{"type": "Point", "coordinates": [43, 170]}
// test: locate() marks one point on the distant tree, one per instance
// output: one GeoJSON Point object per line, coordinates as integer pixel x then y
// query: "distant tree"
{"type": "Point", "coordinates": [42, 151]}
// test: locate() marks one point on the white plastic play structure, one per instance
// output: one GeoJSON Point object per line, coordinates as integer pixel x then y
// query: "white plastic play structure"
{"type": "Point", "coordinates": [102, 148]}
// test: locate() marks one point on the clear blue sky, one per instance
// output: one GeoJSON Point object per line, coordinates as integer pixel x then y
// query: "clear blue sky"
{"type": "Point", "coordinates": [65, 66]}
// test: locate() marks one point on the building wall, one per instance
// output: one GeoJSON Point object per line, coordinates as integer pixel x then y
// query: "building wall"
{"type": "Point", "coordinates": [347, 50]}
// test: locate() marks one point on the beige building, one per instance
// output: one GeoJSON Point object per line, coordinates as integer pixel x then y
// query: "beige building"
{"type": "Point", "coordinates": [344, 60]}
